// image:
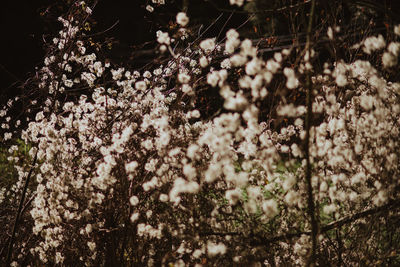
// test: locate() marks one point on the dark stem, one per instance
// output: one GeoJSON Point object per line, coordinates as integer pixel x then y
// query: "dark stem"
{"type": "Point", "coordinates": [21, 203]}
{"type": "Point", "coordinates": [310, 198]}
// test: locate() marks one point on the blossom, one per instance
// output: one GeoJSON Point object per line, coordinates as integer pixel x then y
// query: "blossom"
{"type": "Point", "coordinates": [183, 78]}
{"type": "Point", "coordinates": [182, 19]}
{"type": "Point", "coordinates": [134, 217]}
{"type": "Point", "coordinates": [91, 245]}
{"type": "Point", "coordinates": [330, 33]}
{"type": "Point", "coordinates": [208, 45]}
{"type": "Point", "coordinates": [389, 60]}
{"type": "Point", "coordinates": [292, 81]}
{"type": "Point", "coordinates": [203, 62]}
{"type": "Point", "coordinates": [141, 85]}
{"type": "Point", "coordinates": [214, 249]}
{"type": "Point", "coordinates": [236, 2]}
{"type": "Point", "coordinates": [373, 43]}
{"type": "Point", "coordinates": [149, 8]}
{"type": "Point", "coordinates": [397, 30]}
{"type": "Point", "coordinates": [270, 207]}
{"type": "Point", "coordinates": [163, 38]}
{"type": "Point", "coordinates": [134, 200]}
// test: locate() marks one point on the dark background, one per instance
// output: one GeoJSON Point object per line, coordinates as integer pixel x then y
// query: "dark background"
{"type": "Point", "coordinates": [27, 24]}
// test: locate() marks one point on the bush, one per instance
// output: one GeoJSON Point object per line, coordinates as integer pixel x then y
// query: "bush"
{"type": "Point", "coordinates": [298, 165]}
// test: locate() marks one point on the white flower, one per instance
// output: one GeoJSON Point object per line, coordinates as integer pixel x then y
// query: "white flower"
{"type": "Point", "coordinates": [238, 102]}
{"type": "Point", "coordinates": [374, 43]}
{"type": "Point", "coordinates": [149, 8]}
{"type": "Point", "coordinates": [197, 253]}
{"type": "Point", "coordinates": [270, 207]}
{"type": "Point", "coordinates": [341, 80]}
{"type": "Point", "coordinates": [163, 197]}
{"type": "Point", "coordinates": [68, 83]}
{"type": "Point", "coordinates": [292, 81]}
{"type": "Point", "coordinates": [187, 89]}
{"type": "Point", "coordinates": [330, 33]}
{"type": "Point", "coordinates": [183, 78]}
{"type": "Point", "coordinates": [189, 171]}
{"type": "Point", "coordinates": [208, 45]}
{"type": "Point", "coordinates": [394, 48]}
{"type": "Point", "coordinates": [192, 150]}
{"type": "Point", "coordinates": [292, 198]}
{"type": "Point", "coordinates": [117, 74]}
{"type": "Point", "coordinates": [367, 102]}
{"type": "Point", "coordinates": [278, 57]}
{"type": "Point", "coordinates": [141, 85]}
{"type": "Point", "coordinates": [215, 249]}
{"type": "Point", "coordinates": [203, 62]}
{"type": "Point", "coordinates": [59, 258]}
{"type": "Point", "coordinates": [182, 186]}
{"type": "Point", "coordinates": [253, 67]}
{"type": "Point", "coordinates": [323, 187]}
{"type": "Point", "coordinates": [238, 60]}
{"type": "Point", "coordinates": [232, 34]}
{"type": "Point", "coordinates": [247, 48]}
{"type": "Point", "coordinates": [88, 77]}
{"type": "Point", "coordinates": [289, 182]}
{"type": "Point", "coordinates": [226, 63]}
{"type": "Point", "coordinates": [134, 217]}
{"type": "Point", "coordinates": [328, 209]}
{"type": "Point", "coordinates": [232, 41]}
{"type": "Point", "coordinates": [147, 74]}
{"type": "Point", "coordinates": [213, 78]}
{"type": "Point", "coordinates": [182, 19]}
{"type": "Point", "coordinates": [91, 245]}
{"type": "Point", "coordinates": [88, 228]}
{"type": "Point", "coordinates": [131, 167]}
{"type": "Point", "coordinates": [389, 60]}
{"type": "Point", "coordinates": [236, 2]}
{"type": "Point", "coordinates": [232, 196]}
{"type": "Point", "coordinates": [397, 30]}
{"type": "Point", "coordinates": [134, 200]}
{"type": "Point", "coordinates": [163, 38]}
{"type": "Point", "coordinates": [273, 66]}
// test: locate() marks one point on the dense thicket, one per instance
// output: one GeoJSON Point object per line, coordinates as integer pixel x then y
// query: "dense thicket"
{"type": "Point", "coordinates": [218, 133]}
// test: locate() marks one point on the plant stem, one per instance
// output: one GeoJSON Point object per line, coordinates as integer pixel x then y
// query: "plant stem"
{"type": "Point", "coordinates": [310, 198]}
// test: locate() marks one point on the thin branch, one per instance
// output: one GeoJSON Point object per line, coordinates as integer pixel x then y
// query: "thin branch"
{"type": "Point", "coordinates": [106, 30]}
{"type": "Point", "coordinates": [394, 204]}
{"type": "Point", "coordinates": [226, 22]}
{"type": "Point", "coordinates": [201, 34]}
{"type": "Point", "coordinates": [12, 75]}
{"type": "Point", "coordinates": [219, 233]}
{"type": "Point", "coordinates": [354, 217]}
{"type": "Point", "coordinates": [21, 202]}
{"type": "Point", "coordinates": [310, 197]}
{"type": "Point", "coordinates": [265, 11]}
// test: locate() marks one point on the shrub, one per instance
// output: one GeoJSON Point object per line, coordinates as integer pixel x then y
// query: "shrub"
{"type": "Point", "coordinates": [297, 166]}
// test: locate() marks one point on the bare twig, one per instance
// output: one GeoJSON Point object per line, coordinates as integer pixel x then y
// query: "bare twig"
{"type": "Point", "coordinates": [265, 11]}
{"type": "Point", "coordinates": [102, 32]}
